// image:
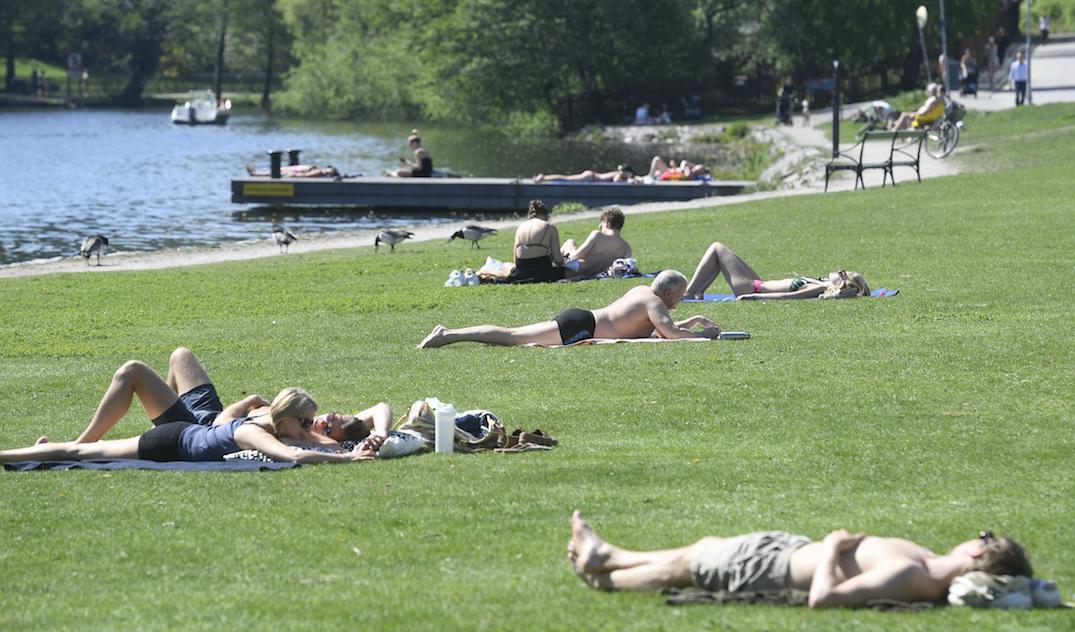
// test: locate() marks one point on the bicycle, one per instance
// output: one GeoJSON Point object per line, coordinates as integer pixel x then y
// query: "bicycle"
{"type": "Point", "coordinates": [943, 135]}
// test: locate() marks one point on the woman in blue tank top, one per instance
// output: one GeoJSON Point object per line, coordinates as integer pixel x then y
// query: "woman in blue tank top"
{"type": "Point", "coordinates": [290, 416]}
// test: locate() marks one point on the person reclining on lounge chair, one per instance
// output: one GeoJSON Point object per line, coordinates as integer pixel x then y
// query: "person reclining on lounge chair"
{"type": "Point", "coordinates": [843, 570]}
{"type": "Point", "coordinates": [623, 173]}
{"type": "Point", "coordinates": [640, 313]}
{"type": "Point", "coordinates": [747, 285]}
{"type": "Point", "coordinates": [298, 171]}
{"type": "Point", "coordinates": [195, 426]}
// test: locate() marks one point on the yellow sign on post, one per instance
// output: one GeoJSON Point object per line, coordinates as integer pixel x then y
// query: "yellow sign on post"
{"type": "Point", "coordinates": [268, 189]}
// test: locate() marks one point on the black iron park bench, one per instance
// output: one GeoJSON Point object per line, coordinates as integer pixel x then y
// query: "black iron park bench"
{"type": "Point", "coordinates": [904, 150]}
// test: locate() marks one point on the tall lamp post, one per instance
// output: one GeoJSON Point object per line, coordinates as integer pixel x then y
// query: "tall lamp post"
{"type": "Point", "coordinates": [920, 16]}
{"type": "Point", "coordinates": [1029, 93]}
{"type": "Point", "coordinates": [944, 47]}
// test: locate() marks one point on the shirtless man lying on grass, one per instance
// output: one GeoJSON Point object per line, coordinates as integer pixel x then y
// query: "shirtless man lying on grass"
{"type": "Point", "coordinates": [844, 569]}
{"type": "Point", "coordinates": [640, 313]}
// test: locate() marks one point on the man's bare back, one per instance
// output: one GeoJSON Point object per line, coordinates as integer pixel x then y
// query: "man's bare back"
{"type": "Point", "coordinates": [631, 315]}
{"type": "Point", "coordinates": [605, 247]}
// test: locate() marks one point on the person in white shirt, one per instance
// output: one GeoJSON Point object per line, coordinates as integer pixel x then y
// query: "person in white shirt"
{"type": "Point", "coordinates": [1018, 74]}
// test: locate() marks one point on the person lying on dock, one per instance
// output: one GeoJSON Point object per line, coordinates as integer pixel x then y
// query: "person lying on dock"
{"type": "Point", "coordinates": [747, 285]}
{"type": "Point", "coordinates": [623, 173]}
{"type": "Point", "coordinates": [298, 171]}
{"type": "Point", "coordinates": [420, 167]}
{"type": "Point", "coordinates": [842, 570]}
{"type": "Point", "coordinates": [640, 313]}
{"type": "Point", "coordinates": [600, 249]}
{"type": "Point", "coordinates": [676, 170]}
{"type": "Point", "coordinates": [190, 423]}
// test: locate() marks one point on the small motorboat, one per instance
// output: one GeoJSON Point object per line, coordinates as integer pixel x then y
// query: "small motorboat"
{"type": "Point", "coordinates": [202, 108]}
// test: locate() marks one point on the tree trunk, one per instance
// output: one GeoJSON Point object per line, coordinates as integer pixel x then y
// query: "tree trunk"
{"type": "Point", "coordinates": [266, 104]}
{"type": "Point", "coordinates": [218, 69]}
{"type": "Point", "coordinates": [9, 47]}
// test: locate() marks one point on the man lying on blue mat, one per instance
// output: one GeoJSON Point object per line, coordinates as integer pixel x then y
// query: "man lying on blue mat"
{"type": "Point", "coordinates": [640, 313]}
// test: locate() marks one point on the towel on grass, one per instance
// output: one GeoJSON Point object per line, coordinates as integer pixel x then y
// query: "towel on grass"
{"type": "Point", "coordinates": [713, 298]}
{"type": "Point", "coordinates": [786, 597]}
{"type": "Point", "coordinates": [142, 464]}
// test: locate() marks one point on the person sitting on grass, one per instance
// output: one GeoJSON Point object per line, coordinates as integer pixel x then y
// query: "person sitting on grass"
{"type": "Point", "coordinates": [747, 285]}
{"type": "Point", "coordinates": [623, 173]}
{"type": "Point", "coordinates": [843, 570]}
{"type": "Point", "coordinates": [600, 249]}
{"type": "Point", "coordinates": [195, 426]}
{"type": "Point", "coordinates": [931, 110]}
{"type": "Point", "coordinates": [298, 171]}
{"type": "Point", "coordinates": [640, 313]}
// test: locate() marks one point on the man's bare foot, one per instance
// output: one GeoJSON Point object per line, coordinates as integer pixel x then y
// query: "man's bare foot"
{"type": "Point", "coordinates": [250, 170]}
{"type": "Point", "coordinates": [586, 550]}
{"type": "Point", "coordinates": [41, 439]}
{"type": "Point", "coordinates": [433, 340]}
{"type": "Point", "coordinates": [539, 177]}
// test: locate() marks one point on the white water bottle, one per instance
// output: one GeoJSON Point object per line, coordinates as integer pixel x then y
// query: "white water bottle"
{"type": "Point", "coordinates": [445, 428]}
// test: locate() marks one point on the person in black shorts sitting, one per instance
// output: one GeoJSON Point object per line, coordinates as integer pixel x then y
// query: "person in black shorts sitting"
{"type": "Point", "coordinates": [421, 167]}
{"type": "Point", "coordinates": [640, 313]}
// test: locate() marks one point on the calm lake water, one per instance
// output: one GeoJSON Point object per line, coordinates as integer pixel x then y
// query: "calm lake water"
{"type": "Point", "coordinates": [147, 184]}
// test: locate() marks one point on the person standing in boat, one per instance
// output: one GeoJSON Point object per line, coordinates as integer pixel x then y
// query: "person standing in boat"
{"type": "Point", "coordinates": [421, 166]}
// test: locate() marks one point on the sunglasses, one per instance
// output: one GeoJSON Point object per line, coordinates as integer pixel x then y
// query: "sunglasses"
{"type": "Point", "coordinates": [305, 422]}
{"type": "Point", "coordinates": [986, 536]}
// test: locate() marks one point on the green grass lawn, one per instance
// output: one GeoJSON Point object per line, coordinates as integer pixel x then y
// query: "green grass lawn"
{"type": "Point", "coordinates": [934, 414]}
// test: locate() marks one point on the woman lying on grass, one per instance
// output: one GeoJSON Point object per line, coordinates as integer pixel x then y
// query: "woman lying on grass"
{"type": "Point", "coordinates": [747, 285]}
{"type": "Point", "coordinates": [195, 427]}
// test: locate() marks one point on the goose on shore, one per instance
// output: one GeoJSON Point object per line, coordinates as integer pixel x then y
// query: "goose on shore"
{"type": "Point", "coordinates": [93, 245]}
{"type": "Point", "coordinates": [284, 238]}
{"type": "Point", "coordinates": [473, 233]}
{"type": "Point", "coordinates": [391, 237]}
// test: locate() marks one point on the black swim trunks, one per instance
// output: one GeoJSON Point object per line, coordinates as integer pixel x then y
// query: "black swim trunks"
{"type": "Point", "coordinates": [161, 443]}
{"type": "Point", "coordinates": [199, 405]}
{"type": "Point", "coordinates": [575, 325]}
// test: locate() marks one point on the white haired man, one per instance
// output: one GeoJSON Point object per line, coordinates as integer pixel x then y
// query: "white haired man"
{"type": "Point", "coordinates": [640, 313]}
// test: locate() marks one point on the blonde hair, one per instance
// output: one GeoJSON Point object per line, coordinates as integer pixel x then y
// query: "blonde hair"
{"type": "Point", "coordinates": [846, 285]}
{"type": "Point", "coordinates": [291, 402]}
{"type": "Point", "coordinates": [413, 138]}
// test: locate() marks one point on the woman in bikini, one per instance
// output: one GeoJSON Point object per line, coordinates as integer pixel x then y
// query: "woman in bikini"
{"type": "Point", "coordinates": [190, 427]}
{"type": "Point", "coordinates": [747, 285]}
{"type": "Point", "coordinates": [421, 166]}
{"type": "Point", "coordinates": [537, 248]}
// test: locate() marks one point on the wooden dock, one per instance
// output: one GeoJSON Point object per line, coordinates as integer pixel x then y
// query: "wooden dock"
{"type": "Point", "coordinates": [486, 194]}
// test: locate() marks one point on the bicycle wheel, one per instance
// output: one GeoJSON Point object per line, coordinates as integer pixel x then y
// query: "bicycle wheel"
{"type": "Point", "coordinates": [940, 141]}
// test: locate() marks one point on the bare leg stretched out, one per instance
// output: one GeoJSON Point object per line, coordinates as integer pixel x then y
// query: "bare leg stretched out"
{"type": "Point", "coordinates": [543, 333]}
{"type": "Point", "coordinates": [607, 567]}
{"type": "Point", "coordinates": [719, 259]}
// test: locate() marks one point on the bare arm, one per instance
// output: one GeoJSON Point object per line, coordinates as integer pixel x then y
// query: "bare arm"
{"type": "Point", "coordinates": [698, 321]}
{"type": "Point", "coordinates": [239, 409]}
{"type": "Point", "coordinates": [253, 437]}
{"type": "Point", "coordinates": [377, 419]}
{"type": "Point", "coordinates": [585, 248]}
{"type": "Point", "coordinates": [554, 246]}
{"type": "Point", "coordinates": [902, 580]}
{"type": "Point", "coordinates": [663, 325]}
